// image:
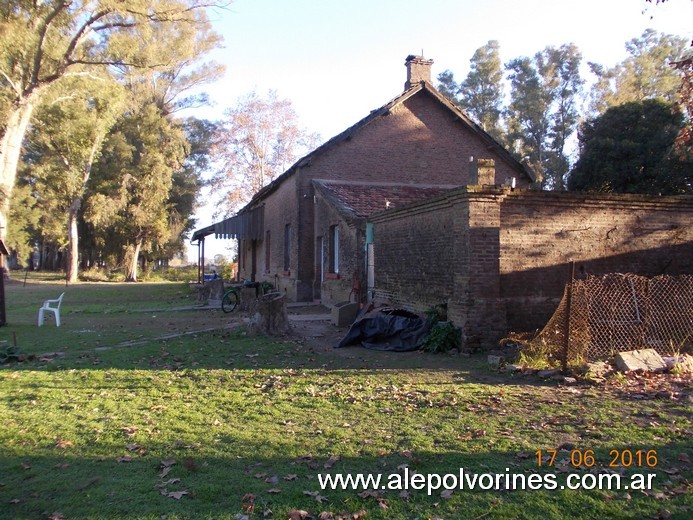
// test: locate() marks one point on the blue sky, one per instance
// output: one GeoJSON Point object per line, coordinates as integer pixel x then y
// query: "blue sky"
{"type": "Point", "coordinates": [336, 60]}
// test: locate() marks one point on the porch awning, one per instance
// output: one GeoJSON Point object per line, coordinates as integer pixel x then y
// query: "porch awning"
{"type": "Point", "coordinates": [246, 225]}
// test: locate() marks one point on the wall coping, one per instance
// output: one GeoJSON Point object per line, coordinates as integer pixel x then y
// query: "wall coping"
{"type": "Point", "coordinates": [552, 198]}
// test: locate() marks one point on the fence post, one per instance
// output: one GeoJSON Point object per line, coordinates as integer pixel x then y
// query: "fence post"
{"type": "Point", "coordinates": [566, 323]}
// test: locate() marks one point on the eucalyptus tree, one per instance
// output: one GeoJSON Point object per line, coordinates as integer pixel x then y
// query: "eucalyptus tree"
{"type": "Point", "coordinates": [542, 112]}
{"type": "Point", "coordinates": [128, 202]}
{"type": "Point", "coordinates": [480, 94]}
{"type": "Point", "coordinates": [65, 139]}
{"type": "Point", "coordinates": [186, 184]}
{"type": "Point", "coordinates": [448, 87]}
{"type": "Point", "coordinates": [647, 72]}
{"type": "Point", "coordinates": [42, 43]}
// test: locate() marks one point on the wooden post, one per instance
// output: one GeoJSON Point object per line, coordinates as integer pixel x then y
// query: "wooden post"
{"type": "Point", "coordinates": [3, 313]}
{"type": "Point", "coordinates": [566, 323]}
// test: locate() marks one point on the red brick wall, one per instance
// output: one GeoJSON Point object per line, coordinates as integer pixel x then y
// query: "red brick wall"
{"type": "Point", "coordinates": [280, 209]}
{"type": "Point", "coordinates": [542, 232]}
{"type": "Point", "coordinates": [417, 142]}
{"type": "Point", "coordinates": [413, 252]}
{"type": "Point", "coordinates": [499, 258]}
{"type": "Point", "coordinates": [337, 288]}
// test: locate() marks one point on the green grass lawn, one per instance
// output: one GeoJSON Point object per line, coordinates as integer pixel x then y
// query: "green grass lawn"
{"type": "Point", "coordinates": [141, 406]}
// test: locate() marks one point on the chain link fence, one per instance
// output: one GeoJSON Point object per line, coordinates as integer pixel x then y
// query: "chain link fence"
{"type": "Point", "coordinates": [600, 316]}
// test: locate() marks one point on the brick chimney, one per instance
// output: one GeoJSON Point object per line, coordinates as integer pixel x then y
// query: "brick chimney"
{"type": "Point", "coordinates": [418, 70]}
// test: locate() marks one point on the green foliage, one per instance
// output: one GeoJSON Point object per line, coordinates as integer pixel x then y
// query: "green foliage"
{"type": "Point", "coordinates": [645, 74]}
{"type": "Point", "coordinates": [187, 274]}
{"type": "Point", "coordinates": [443, 337]}
{"type": "Point", "coordinates": [24, 220]}
{"type": "Point", "coordinates": [480, 94]}
{"type": "Point", "coordinates": [10, 354]}
{"type": "Point", "coordinates": [628, 150]}
{"type": "Point", "coordinates": [542, 112]}
{"type": "Point", "coordinates": [44, 44]}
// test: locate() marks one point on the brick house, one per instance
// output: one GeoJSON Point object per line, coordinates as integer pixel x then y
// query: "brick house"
{"type": "Point", "coordinates": [394, 209]}
{"type": "Point", "coordinates": [308, 233]}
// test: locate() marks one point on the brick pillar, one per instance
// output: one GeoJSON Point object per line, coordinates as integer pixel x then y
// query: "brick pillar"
{"type": "Point", "coordinates": [487, 172]}
{"type": "Point", "coordinates": [476, 306]}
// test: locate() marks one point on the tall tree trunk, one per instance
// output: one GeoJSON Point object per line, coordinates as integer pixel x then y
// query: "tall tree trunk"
{"type": "Point", "coordinates": [131, 258]}
{"type": "Point", "coordinates": [72, 266]}
{"type": "Point", "coordinates": [10, 150]}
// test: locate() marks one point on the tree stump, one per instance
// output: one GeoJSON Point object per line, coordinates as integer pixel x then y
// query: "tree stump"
{"type": "Point", "coordinates": [248, 297]}
{"type": "Point", "coordinates": [269, 315]}
{"type": "Point", "coordinates": [211, 291]}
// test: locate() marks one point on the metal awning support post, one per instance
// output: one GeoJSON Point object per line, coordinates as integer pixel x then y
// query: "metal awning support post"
{"type": "Point", "coordinates": [198, 261]}
{"type": "Point", "coordinates": [201, 262]}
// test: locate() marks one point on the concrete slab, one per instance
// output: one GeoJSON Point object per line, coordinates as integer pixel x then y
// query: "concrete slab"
{"type": "Point", "coordinates": [646, 360]}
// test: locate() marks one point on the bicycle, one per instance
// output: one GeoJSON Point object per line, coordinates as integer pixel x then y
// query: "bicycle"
{"type": "Point", "coordinates": [230, 300]}
{"type": "Point", "coordinates": [232, 295]}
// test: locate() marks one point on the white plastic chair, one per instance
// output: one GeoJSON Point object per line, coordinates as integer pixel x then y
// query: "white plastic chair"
{"type": "Point", "coordinates": [49, 305]}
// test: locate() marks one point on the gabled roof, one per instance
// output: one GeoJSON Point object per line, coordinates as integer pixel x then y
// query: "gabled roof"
{"type": "Point", "coordinates": [358, 200]}
{"type": "Point", "coordinates": [423, 86]}
{"type": "Point", "coordinates": [346, 134]}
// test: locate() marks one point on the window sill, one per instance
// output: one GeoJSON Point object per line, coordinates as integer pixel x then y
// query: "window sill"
{"type": "Point", "coordinates": [286, 273]}
{"type": "Point", "coordinates": [332, 276]}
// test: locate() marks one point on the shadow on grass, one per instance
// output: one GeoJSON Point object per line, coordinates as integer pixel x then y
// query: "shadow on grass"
{"type": "Point", "coordinates": [180, 480]}
{"type": "Point", "coordinates": [232, 349]}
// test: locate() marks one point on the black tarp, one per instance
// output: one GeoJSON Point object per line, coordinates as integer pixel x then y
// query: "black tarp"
{"type": "Point", "coordinates": [387, 329]}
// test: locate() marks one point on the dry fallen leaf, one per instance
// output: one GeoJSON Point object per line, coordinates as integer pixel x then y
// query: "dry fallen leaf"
{"type": "Point", "coordinates": [274, 491]}
{"type": "Point", "coordinates": [177, 494]}
{"type": "Point", "coordinates": [316, 495]}
{"type": "Point", "coordinates": [124, 459]}
{"type": "Point", "coordinates": [169, 482]}
{"type": "Point", "coordinates": [446, 494]}
{"type": "Point", "coordinates": [248, 502]}
{"type": "Point", "coordinates": [168, 462]}
{"type": "Point", "coordinates": [129, 430]}
{"type": "Point", "coordinates": [369, 493]}
{"type": "Point", "coordinates": [298, 514]}
{"type": "Point", "coordinates": [331, 461]}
